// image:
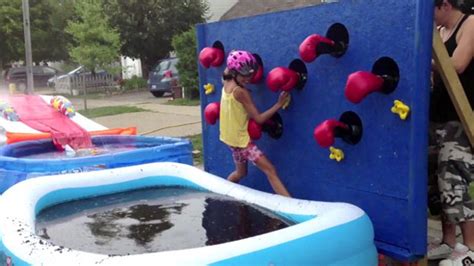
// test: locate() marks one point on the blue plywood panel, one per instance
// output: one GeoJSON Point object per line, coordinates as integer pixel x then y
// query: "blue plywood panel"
{"type": "Point", "coordinates": [386, 172]}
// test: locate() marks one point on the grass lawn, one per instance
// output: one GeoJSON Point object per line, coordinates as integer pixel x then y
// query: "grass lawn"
{"type": "Point", "coordinates": [110, 110]}
{"type": "Point", "coordinates": [183, 102]}
{"type": "Point", "coordinates": [471, 190]}
{"type": "Point", "coordinates": [197, 146]}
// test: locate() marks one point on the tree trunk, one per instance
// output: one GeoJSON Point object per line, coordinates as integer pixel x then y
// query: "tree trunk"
{"type": "Point", "coordinates": [145, 68]}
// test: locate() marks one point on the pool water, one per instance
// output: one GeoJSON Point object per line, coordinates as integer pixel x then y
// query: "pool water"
{"type": "Point", "coordinates": [153, 220]}
{"type": "Point", "coordinates": [96, 150]}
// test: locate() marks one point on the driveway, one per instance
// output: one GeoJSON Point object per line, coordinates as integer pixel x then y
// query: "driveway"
{"type": "Point", "coordinates": [160, 120]}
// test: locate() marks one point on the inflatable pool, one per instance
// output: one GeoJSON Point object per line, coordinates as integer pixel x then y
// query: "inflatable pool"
{"type": "Point", "coordinates": [324, 233]}
{"type": "Point", "coordinates": [28, 159]}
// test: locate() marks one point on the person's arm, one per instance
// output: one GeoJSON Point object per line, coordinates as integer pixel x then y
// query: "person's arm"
{"type": "Point", "coordinates": [243, 96]}
{"type": "Point", "coordinates": [464, 52]}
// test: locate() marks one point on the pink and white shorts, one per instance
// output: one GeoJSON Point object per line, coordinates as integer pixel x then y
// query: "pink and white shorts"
{"type": "Point", "coordinates": [249, 153]}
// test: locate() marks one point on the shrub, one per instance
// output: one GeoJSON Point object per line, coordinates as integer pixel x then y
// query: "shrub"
{"type": "Point", "coordinates": [134, 83]}
{"type": "Point", "coordinates": [185, 46]}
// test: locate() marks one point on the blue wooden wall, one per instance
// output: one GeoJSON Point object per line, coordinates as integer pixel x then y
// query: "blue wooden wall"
{"type": "Point", "coordinates": [386, 172]}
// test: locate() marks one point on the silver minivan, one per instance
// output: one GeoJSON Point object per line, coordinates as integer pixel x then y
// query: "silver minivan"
{"type": "Point", "coordinates": [163, 77]}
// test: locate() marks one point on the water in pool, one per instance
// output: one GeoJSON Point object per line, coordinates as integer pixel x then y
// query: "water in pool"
{"type": "Point", "coordinates": [152, 220]}
{"type": "Point", "coordinates": [97, 150]}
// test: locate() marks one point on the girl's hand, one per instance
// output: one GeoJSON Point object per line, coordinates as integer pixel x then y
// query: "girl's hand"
{"type": "Point", "coordinates": [282, 98]}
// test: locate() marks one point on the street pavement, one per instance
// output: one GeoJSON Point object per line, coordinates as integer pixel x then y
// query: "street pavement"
{"type": "Point", "coordinates": [160, 120]}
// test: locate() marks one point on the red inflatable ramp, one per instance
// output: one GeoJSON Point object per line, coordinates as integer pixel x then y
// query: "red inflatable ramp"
{"type": "Point", "coordinates": [37, 114]}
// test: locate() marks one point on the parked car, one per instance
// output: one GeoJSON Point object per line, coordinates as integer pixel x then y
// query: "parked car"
{"type": "Point", "coordinates": [163, 77]}
{"type": "Point", "coordinates": [41, 74]}
{"type": "Point", "coordinates": [79, 71]}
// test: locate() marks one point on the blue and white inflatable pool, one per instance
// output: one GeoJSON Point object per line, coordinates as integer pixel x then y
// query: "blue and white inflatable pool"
{"type": "Point", "coordinates": [28, 159]}
{"type": "Point", "coordinates": [324, 233]}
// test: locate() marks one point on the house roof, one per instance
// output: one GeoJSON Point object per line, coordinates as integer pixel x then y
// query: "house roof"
{"type": "Point", "coordinates": [244, 8]}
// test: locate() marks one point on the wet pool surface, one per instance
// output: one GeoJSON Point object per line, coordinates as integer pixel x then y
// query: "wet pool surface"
{"type": "Point", "coordinates": [152, 220]}
{"type": "Point", "coordinates": [97, 150]}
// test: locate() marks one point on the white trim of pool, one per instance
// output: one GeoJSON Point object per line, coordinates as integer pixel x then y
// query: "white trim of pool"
{"type": "Point", "coordinates": [325, 233]}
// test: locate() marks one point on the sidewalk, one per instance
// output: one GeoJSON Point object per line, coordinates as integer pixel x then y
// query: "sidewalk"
{"type": "Point", "coordinates": [161, 120]}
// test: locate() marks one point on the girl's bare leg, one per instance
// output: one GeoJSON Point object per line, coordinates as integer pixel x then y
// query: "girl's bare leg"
{"type": "Point", "coordinates": [267, 167]}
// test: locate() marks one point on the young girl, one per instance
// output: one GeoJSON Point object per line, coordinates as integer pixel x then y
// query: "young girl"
{"type": "Point", "coordinates": [236, 108]}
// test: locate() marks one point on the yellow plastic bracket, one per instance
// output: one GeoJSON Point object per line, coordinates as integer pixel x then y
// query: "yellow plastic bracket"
{"type": "Point", "coordinates": [401, 109]}
{"type": "Point", "coordinates": [209, 88]}
{"type": "Point", "coordinates": [287, 102]}
{"type": "Point", "coordinates": [336, 154]}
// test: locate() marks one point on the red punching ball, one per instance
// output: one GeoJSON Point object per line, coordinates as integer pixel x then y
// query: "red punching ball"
{"type": "Point", "coordinates": [211, 57]}
{"type": "Point", "coordinates": [309, 47]}
{"type": "Point", "coordinates": [211, 112]}
{"type": "Point", "coordinates": [360, 84]}
{"type": "Point", "coordinates": [324, 133]}
{"type": "Point", "coordinates": [282, 78]}
{"type": "Point", "coordinates": [254, 129]}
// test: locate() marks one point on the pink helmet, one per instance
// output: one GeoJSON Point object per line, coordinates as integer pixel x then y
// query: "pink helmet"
{"type": "Point", "coordinates": [242, 62]}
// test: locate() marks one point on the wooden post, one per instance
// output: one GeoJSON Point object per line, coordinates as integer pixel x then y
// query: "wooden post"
{"type": "Point", "coordinates": [453, 85]}
{"type": "Point", "coordinates": [84, 87]}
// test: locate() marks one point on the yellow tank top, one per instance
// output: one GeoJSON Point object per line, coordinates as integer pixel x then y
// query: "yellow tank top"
{"type": "Point", "coordinates": [233, 121]}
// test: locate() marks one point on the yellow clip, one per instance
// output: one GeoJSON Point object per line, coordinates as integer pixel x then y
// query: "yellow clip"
{"type": "Point", "coordinates": [287, 102]}
{"type": "Point", "coordinates": [401, 109]}
{"type": "Point", "coordinates": [336, 154]}
{"type": "Point", "coordinates": [208, 88]}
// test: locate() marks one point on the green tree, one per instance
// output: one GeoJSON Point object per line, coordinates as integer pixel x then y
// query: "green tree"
{"type": "Point", "coordinates": [95, 43]}
{"type": "Point", "coordinates": [48, 20]}
{"type": "Point", "coordinates": [50, 39]}
{"type": "Point", "coordinates": [11, 31]}
{"type": "Point", "coordinates": [147, 27]}
{"type": "Point", "coordinates": [185, 46]}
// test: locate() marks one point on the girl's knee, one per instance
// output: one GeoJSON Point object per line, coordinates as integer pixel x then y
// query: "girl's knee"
{"type": "Point", "coordinates": [241, 175]}
{"type": "Point", "coordinates": [237, 175]}
{"type": "Point", "coordinates": [241, 172]}
{"type": "Point", "coordinates": [270, 171]}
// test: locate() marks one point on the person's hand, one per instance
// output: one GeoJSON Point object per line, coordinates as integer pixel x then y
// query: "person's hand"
{"type": "Point", "coordinates": [282, 98]}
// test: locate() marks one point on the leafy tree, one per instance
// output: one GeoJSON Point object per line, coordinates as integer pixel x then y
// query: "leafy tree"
{"type": "Point", "coordinates": [95, 43]}
{"type": "Point", "coordinates": [11, 31]}
{"type": "Point", "coordinates": [185, 46]}
{"type": "Point", "coordinates": [41, 41]}
{"type": "Point", "coordinates": [51, 43]}
{"type": "Point", "coordinates": [48, 19]}
{"type": "Point", "coordinates": [147, 27]}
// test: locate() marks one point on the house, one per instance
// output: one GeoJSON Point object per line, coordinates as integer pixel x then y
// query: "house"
{"type": "Point", "coordinates": [244, 8]}
{"type": "Point", "coordinates": [217, 8]}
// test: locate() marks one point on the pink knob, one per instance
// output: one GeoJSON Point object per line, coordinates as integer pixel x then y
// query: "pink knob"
{"type": "Point", "coordinates": [254, 129]}
{"type": "Point", "coordinates": [362, 83]}
{"type": "Point", "coordinates": [258, 75]}
{"type": "Point", "coordinates": [309, 47]}
{"type": "Point", "coordinates": [324, 133]}
{"type": "Point", "coordinates": [211, 112]}
{"type": "Point", "coordinates": [282, 78]}
{"type": "Point", "coordinates": [211, 57]}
